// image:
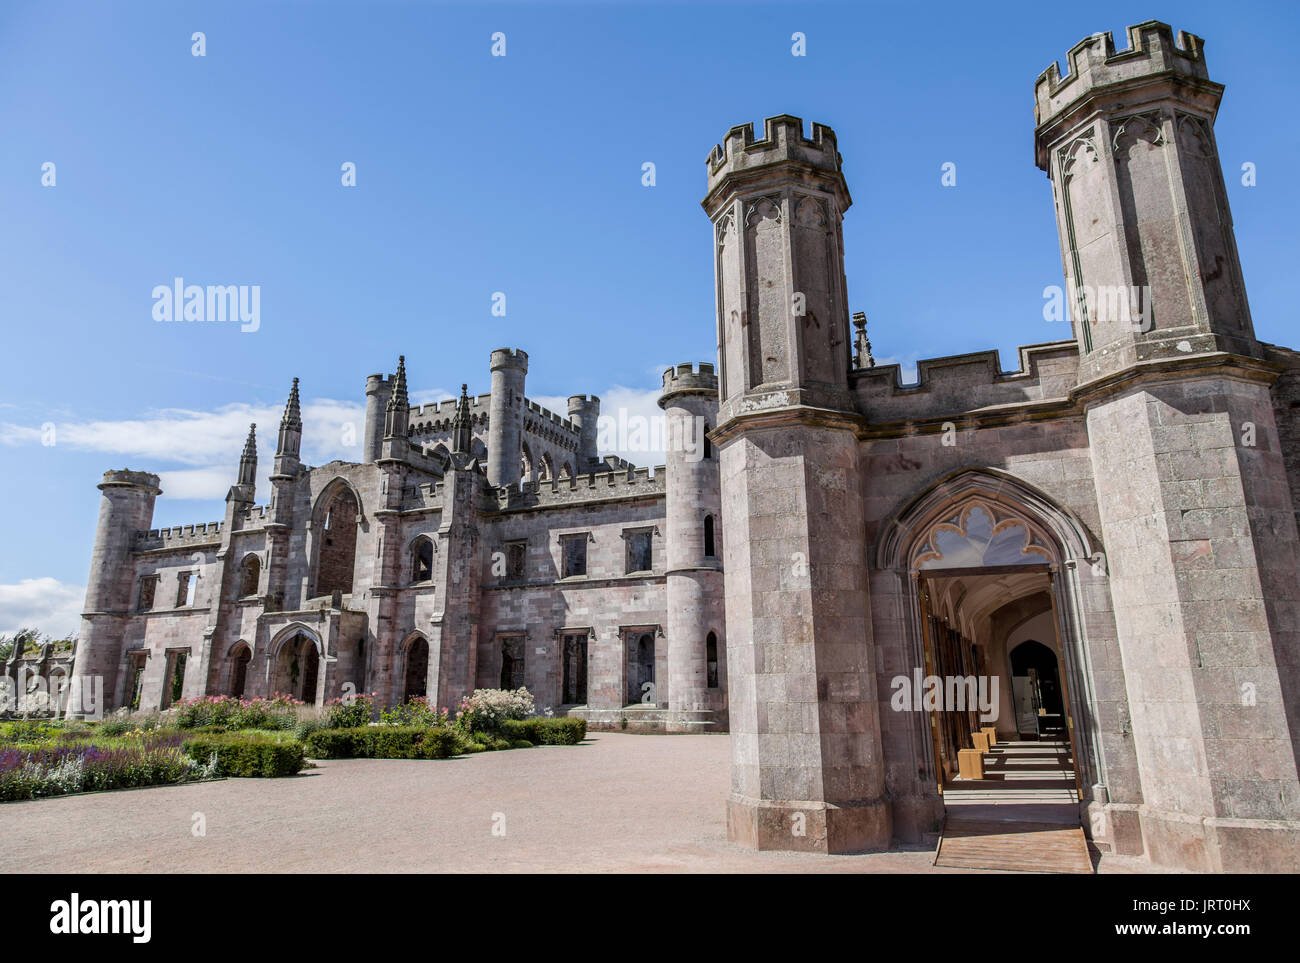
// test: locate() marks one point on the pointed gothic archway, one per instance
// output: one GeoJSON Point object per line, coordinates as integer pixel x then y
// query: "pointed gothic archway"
{"type": "Point", "coordinates": [979, 544]}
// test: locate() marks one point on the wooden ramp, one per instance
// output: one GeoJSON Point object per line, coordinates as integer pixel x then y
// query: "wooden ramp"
{"type": "Point", "coordinates": [1022, 817]}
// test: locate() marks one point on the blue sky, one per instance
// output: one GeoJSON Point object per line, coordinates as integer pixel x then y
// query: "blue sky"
{"type": "Point", "coordinates": [519, 174]}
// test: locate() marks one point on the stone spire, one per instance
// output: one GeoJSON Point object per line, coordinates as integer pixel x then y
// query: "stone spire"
{"type": "Point", "coordinates": [861, 345]}
{"type": "Point", "coordinates": [290, 439]}
{"type": "Point", "coordinates": [460, 424]}
{"type": "Point", "coordinates": [248, 460]}
{"type": "Point", "coordinates": [398, 414]}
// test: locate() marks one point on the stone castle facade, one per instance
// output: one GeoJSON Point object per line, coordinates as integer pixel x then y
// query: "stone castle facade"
{"type": "Point", "coordinates": [1124, 502]}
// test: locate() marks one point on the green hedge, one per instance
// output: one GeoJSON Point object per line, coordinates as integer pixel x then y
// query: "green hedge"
{"type": "Point", "coordinates": [546, 732]}
{"type": "Point", "coordinates": [383, 742]}
{"type": "Point", "coordinates": [245, 754]}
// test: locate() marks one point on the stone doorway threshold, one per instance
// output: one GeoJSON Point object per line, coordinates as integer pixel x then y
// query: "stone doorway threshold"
{"type": "Point", "coordinates": [1022, 817]}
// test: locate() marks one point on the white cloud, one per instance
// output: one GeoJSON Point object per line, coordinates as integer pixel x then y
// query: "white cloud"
{"type": "Point", "coordinates": [46, 604]}
{"type": "Point", "coordinates": [208, 443]}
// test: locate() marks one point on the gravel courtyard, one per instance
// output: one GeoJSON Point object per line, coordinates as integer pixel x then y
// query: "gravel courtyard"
{"type": "Point", "coordinates": [618, 803]}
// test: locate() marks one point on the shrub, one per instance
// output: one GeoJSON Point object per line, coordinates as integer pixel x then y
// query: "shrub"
{"type": "Point", "coordinates": [246, 754]}
{"type": "Point", "coordinates": [350, 712]}
{"type": "Point", "coordinates": [521, 744]}
{"type": "Point", "coordinates": [486, 709]}
{"type": "Point", "coordinates": [416, 712]}
{"type": "Point", "coordinates": [383, 742]}
{"type": "Point", "coordinates": [547, 732]}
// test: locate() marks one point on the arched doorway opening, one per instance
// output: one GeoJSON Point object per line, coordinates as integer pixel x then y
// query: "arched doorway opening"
{"type": "Point", "coordinates": [416, 677]}
{"type": "Point", "coordinates": [240, 657]}
{"type": "Point", "coordinates": [1036, 691]}
{"type": "Point", "coordinates": [297, 668]}
{"type": "Point", "coordinates": [336, 521]}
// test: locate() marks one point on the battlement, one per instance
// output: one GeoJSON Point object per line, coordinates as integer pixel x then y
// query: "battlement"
{"type": "Point", "coordinates": [1095, 63]}
{"type": "Point", "coordinates": [783, 141]}
{"type": "Point", "coordinates": [447, 408]}
{"type": "Point", "coordinates": [583, 402]}
{"type": "Point", "coordinates": [509, 358]}
{"type": "Point", "coordinates": [550, 416]}
{"type": "Point", "coordinates": [423, 495]}
{"type": "Point", "coordinates": [686, 378]}
{"type": "Point", "coordinates": [375, 382]}
{"type": "Point", "coordinates": [178, 536]}
{"type": "Point", "coordinates": [965, 383]}
{"type": "Point", "coordinates": [624, 482]}
{"type": "Point", "coordinates": [126, 478]}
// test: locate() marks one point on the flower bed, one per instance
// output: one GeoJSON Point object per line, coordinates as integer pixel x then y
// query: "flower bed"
{"type": "Point", "coordinates": [29, 771]}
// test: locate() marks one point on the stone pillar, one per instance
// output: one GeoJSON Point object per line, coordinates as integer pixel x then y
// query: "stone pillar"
{"type": "Point", "coordinates": [506, 416]}
{"type": "Point", "coordinates": [1199, 530]}
{"type": "Point", "coordinates": [126, 507]}
{"type": "Point", "coordinates": [453, 653]}
{"type": "Point", "coordinates": [807, 767]}
{"type": "Point", "coordinates": [694, 591]}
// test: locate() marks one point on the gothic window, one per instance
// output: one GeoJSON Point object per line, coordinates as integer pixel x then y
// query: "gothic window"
{"type": "Point", "coordinates": [982, 536]}
{"type": "Point", "coordinates": [639, 551]}
{"type": "Point", "coordinates": [148, 586]}
{"type": "Point", "coordinates": [174, 686]}
{"type": "Point", "coordinates": [516, 552]}
{"type": "Point", "coordinates": [512, 662]}
{"type": "Point", "coordinates": [422, 559]}
{"type": "Point", "coordinates": [575, 555]}
{"type": "Point", "coordinates": [336, 561]}
{"type": "Point", "coordinates": [711, 660]}
{"type": "Point", "coordinates": [186, 583]}
{"type": "Point", "coordinates": [250, 574]}
{"type": "Point", "coordinates": [709, 547]}
{"type": "Point", "coordinates": [138, 661]}
{"type": "Point", "coordinates": [417, 669]}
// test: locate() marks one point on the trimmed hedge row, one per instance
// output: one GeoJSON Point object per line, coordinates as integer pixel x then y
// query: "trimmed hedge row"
{"type": "Point", "coordinates": [546, 732]}
{"type": "Point", "coordinates": [383, 742]}
{"type": "Point", "coordinates": [244, 754]}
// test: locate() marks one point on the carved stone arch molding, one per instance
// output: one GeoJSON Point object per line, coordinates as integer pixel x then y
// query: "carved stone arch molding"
{"type": "Point", "coordinates": [1011, 498]}
{"type": "Point", "coordinates": [810, 212]}
{"type": "Point", "coordinates": [1145, 127]}
{"type": "Point", "coordinates": [1050, 531]}
{"type": "Point", "coordinates": [766, 208]}
{"type": "Point", "coordinates": [1080, 153]}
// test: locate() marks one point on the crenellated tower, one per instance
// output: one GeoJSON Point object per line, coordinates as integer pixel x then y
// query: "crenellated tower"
{"type": "Point", "coordinates": [1195, 508]}
{"type": "Point", "coordinates": [696, 629]}
{"type": "Point", "coordinates": [1127, 138]}
{"type": "Point", "coordinates": [506, 416]}
{"type": "Point", "coordinates": [798, 628]}
{"type": "Point", "coordinates": [125, 507]}
{"type": "Point", "coordinates": [379, 390]}
{"type": "Point", "coordinates": [584, 412]}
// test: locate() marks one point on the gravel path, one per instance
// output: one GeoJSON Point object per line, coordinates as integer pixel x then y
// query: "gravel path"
{"type": "Point", "coordinates": [618, 803]}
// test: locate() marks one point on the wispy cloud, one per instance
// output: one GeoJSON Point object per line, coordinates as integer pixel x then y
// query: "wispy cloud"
{"type": "Point", "coordinates": [46, 604]}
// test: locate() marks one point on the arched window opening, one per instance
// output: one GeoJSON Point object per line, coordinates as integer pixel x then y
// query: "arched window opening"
{"type": "Point", "coordinates": [338, 551]}
{"type": "Point", "coordinates": [711, 659]}
{"type": "Point", "coordinates": [422, 560]}
{"type": "Point", "coordinates": [709, 548]}
{"type": "Point", "coordinates": [250, 575]}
